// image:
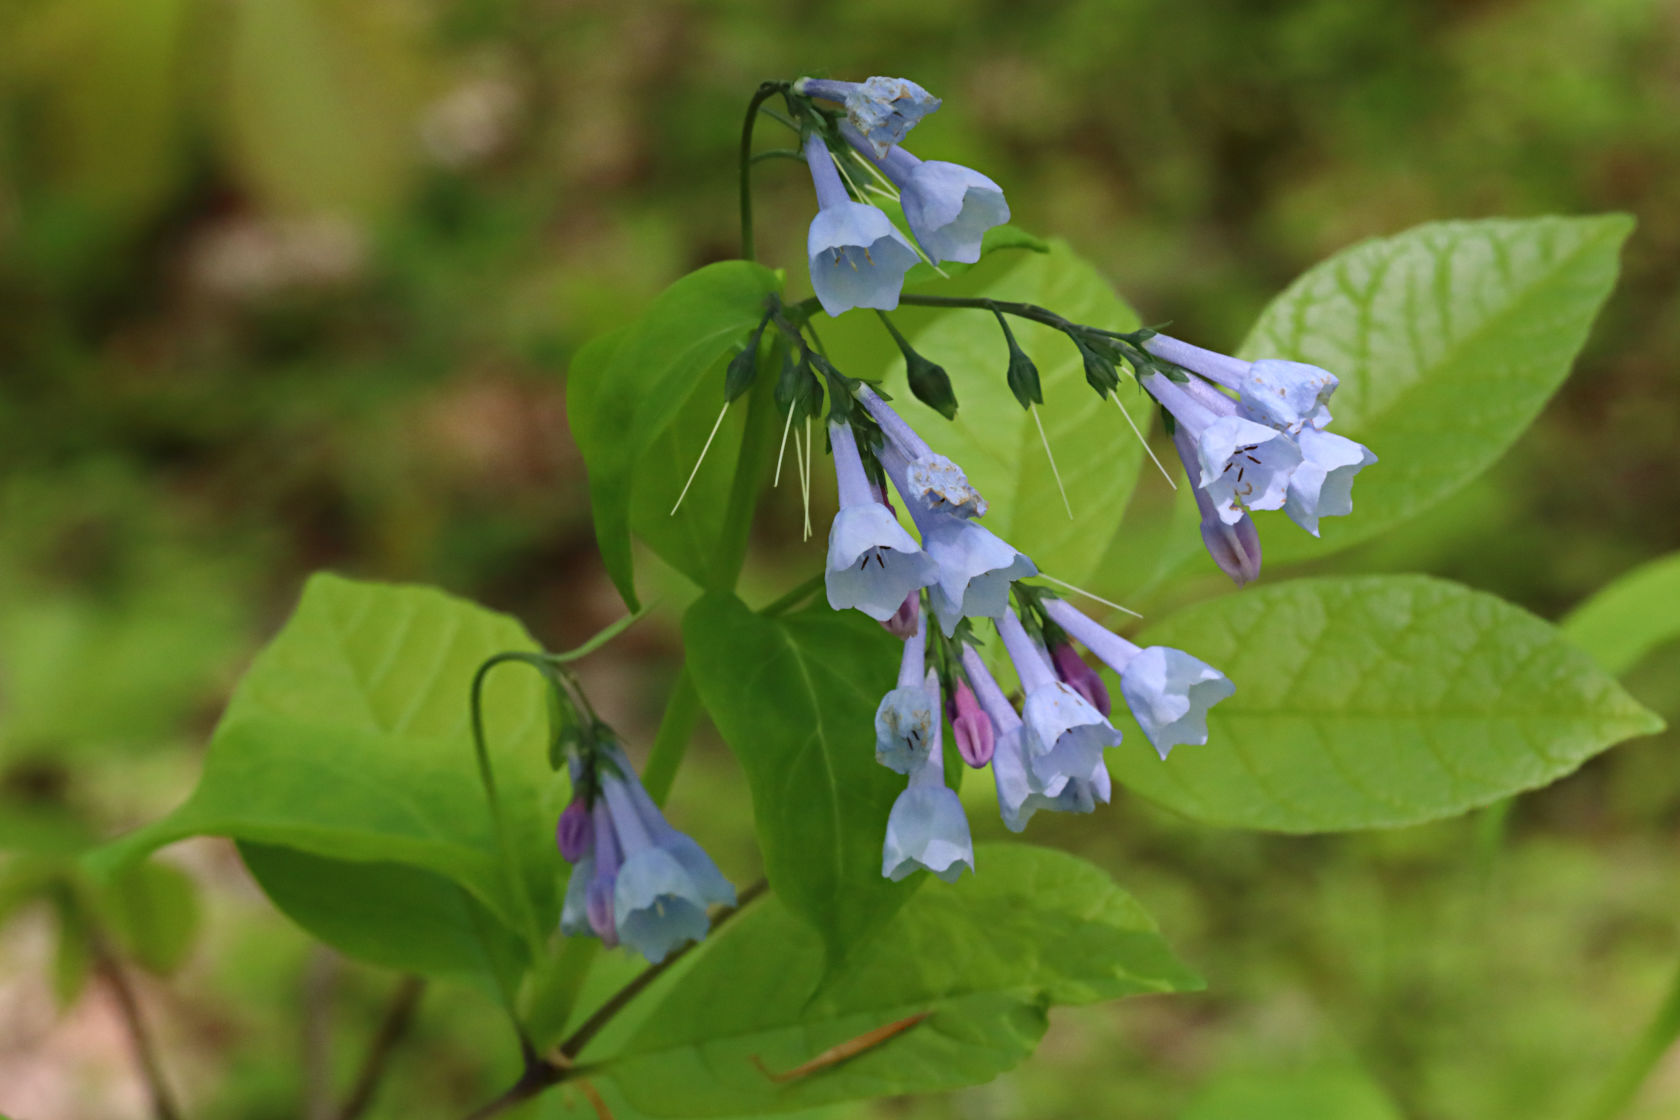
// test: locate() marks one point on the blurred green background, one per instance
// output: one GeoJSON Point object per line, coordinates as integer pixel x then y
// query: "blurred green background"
{"type": "Point", "coordinates": [288, 284]}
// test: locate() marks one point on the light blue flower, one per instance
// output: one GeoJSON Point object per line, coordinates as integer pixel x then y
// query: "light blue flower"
{"type": "Point", "coordinates": [1168, 691]}
{"type": "Point", "coordinates": [857, 256]}
{"type": "Point", "coordinates": [932, 483]}
{"type": "Point", "coordinates": [574, 911]}
{"type": "Point", "coordinates": [1322, 486]}
{"type": "Point", "coordinates": [949, 207]}
{"type": "Point", "coordinates": [1019, 793]}
{"type": "Point", "coordinates": [1239, 463]}
{"type": "Point", "coordinates": [1234, 547]}
{"type": "Point", "coordinates": [907, 719]}
{"type": "Point", "coordinates": [609, 858]}
{"type": "Point", "coordinates": [927, 827]}
{"type": "Point", "coordinates": [1065, 735]}
{"type": "Point", "coordinates": [1285, 395]}
{"type": "Point", "coordinates": [882, 109]}
{"type": "Point", "coordinates": [873, 564]}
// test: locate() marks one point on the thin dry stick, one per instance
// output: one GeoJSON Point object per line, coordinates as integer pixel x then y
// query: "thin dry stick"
{"type": "Point", "coordinates": [399, 1015]}
{"type": "Point", "coordinates": [834, 1055]}
{"type": "Point", "coordinates": [140, 1039]}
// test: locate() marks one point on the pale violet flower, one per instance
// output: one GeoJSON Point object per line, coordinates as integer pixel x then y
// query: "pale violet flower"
{"type": "Point", "coordinates": [1019, 793]}
{"type": "Point", "coordinates": [1322, 486]}
{"type": "Point", "coordinates": [931, 482]}
{"type": "Point", "coordinates": [1168, 691]}
{"type": "Point", "coordinates": [927, 827]}
{"type": "Point", "coordinates": [882, 109]}
{"type": "Point", "coordinates": [1285, 395]}
{"type": "Point", "coordinates": [907, 719]}
{"type": "Point", "coordinates": [857, 256]}
{"type": "Point", "coordinates": [1065, 735]}
{"type": "Point", "coordinates": [873, 563]}
{"type": "Point", "coordinates": [975, 567]}
{"type": "Point", "coordinates": [949, 207]}
{"type": "Point", "coordinates": [1234, 547]}
{"type": "Point", "coordinates": [1240, 463]}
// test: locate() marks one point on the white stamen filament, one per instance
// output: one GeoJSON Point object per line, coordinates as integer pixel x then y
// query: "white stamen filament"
{"type": "Point", "coordinates": [1090, 595]}
{"type": "Point", "coordinates": [1053, 470]}
{"type": "Point", "coordinates": [841, 167]}
{"type": "Point", "coordinates": [1147, 450]}
{"type": "Point", "coordinates": [715, 426]}
{"type": "Point", "coordinates": [787, 427]}
{"type": "Point", "coordinates": [805, 478]}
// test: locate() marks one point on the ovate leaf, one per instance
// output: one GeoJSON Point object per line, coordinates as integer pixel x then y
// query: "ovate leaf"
{"type": "Point", "coordinates": [1377, 702]}
{"type": "Point", "coordinates": [1448, 339]}
{"type": "Point", "coordinates": [1631, 616]}
{"type": "Point", "coordinates": [795, 700]}
{"type": "Point", "coordinates": [983, 959]}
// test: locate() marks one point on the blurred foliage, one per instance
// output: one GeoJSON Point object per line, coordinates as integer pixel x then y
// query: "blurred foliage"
{"type": "Point", "coordinates": [288, 284]}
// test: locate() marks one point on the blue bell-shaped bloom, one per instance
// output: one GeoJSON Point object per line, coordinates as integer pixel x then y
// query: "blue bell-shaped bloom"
{"type": "Point", "coordinates": [857, 256]}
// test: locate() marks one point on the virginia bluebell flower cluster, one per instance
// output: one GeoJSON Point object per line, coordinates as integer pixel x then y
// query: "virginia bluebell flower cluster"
{"type": "Point", "coordinates": [857, 257]}
{"type": "Point", "coordinates": [1252, 437]}
{"type": "Point", "coordinates": [636, 881]}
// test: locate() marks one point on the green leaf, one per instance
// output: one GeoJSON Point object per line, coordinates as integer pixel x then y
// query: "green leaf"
{"type": "Point", "coordinates": [1631, 616]}
{"type": "Point", "coordinates": [997, 443]}
{"type": "Point", "coordinates": [1376, 702]}
{"type": "Point", "coordinates": [795, 699]}
{"type": "Point", "coordinates": [635, 401]}
{"type": "Point", "coordinates": [1328, 1093]}
{"type": "Point", "coordinates": [984, 958]}
{"type": "Point", "coordinates": [1448, 339]}
{"type": "Point", "coordinates": [348, 739]}
{"type": "Point", "coordinates": [153, 913]}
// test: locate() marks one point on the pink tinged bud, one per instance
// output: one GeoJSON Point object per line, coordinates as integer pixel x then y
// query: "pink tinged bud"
{"type": "Point", "coordinates": [971, 726]}
{"type": "Point", "coordinates": [575, 832]}
{"type": "Point", "coordinates": [1235, 548]}
{"type": "Point", "coordinates": [1081, 677]}
{"type": "Point", "coordinates": [907, 619]}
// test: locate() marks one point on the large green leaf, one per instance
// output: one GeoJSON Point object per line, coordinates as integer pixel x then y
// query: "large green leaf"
{"type": "Point", "coordinates": [1631, 616]}
{"type": "Point", "coordinates": [635, 400]}
{"type": "Point", "coordinates": [1448, 339]}
{"type": "Point", "coordinates": [795, 700]}
{"type": "Point", "coordinates": [1375, 702]}
{"type": "Point", "coordinates": [348, 739]}
{"type": "Point", "coordinates": [992, 438]}
{"type": "Point", "coordinates": [984, 959]}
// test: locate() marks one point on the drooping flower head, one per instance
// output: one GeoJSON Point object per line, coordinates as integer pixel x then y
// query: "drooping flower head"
{"type": "Point", "coordinates": [881, 109]}
{"type": "Point", "coordinates": [1234, 546]}
{"type": "Point", "coordinates": [927, 827]}
{"type": "Point", "coordinates": [642, 883]}
{"type": "Point", "coordinates": [873, 564]}
{"type": "Point", "coordinates": [932, 483]}
{"type": "Point", "coordinates": [949, 207]}
{"type": "Point", "coordinates": [1239, 463]}
{"type": "Point", "coordinates": [1168, 691]}
{"type": "Point", "coordinates": [907, 719]}
{"type": "Point", "coordinates": [1322, 486]}
{"type": "Point", "coordinates": [1065, 735]}
{"type": "Point", "coordinates": [1020, 794]}
{"type": "Point", "coordinates": [857, 256]}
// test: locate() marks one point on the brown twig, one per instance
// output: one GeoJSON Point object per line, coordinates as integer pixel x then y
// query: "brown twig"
{"type": "Point", "coordinates": [399, 1016]}
{"type": "Point", "coordinates": [140, 1039]}
{"type": "Point", "coordinates": [838, 1053]}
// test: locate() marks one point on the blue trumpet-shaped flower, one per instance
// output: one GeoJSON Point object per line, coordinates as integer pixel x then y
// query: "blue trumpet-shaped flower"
{"type": "Point", "coordinates": [642, 882]}
{"type": "Point", "coordinates": [857, 256]}
{"type": "Point", "coordinates": [927, 827]}
{"type": "Point", "coordinates": [881, 109]}
{"type": "Point", "coordinates": [949, 207]}
{"type": "Point", "coordinates": [1285, 395]}
{"type": "Point", "coordinates": [932, 483]}
{"type": "Point", "coordinates": [1239, 463]}
{"type": "Point", "coordinates": [1065, 735]}
{"type": "Point", "coordinates": [1235, 547]}
{"type": "Point", "coordinates": [873, 564]}
{"type": "Point", "coordinates": [1168, 691]}
{"type": "Point", "coordinates": [907, 719]}
{"type": "Point", "coordinates": [1322, 486]}
{"type": "Point", "coordinates": [1020, 794]}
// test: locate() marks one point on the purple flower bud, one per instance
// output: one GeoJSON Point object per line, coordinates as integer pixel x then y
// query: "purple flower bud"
{"type": "Point", "coordinates": [1080, 677]}
{"type": "Point", "coordinates": [907, 619]}
{"type": "Point", "coordinates": [971, 726]}
{"type": "Point", "coordinates": [573, 833]}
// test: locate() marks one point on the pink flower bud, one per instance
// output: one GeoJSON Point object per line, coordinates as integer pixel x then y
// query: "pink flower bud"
{"type": "Point", "coordinates": [1080, 677]}
{"type": "Point", "coordinates": [574, 832]}
{"type": "Point", "coordinates": [903, 622]}
{"type": "Point", "coordinates": [972, 727]}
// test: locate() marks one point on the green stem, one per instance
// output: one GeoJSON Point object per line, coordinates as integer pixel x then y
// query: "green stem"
{"type": "Point", "coordinates": [766, 91]}
{"type": "Point", "coordinates": [602, 637]}
{"type": "Point", "coordinates": [1636, 1065]}
{"type": "Point", "coordinates": [793, 598]}
{"type": "Point", "coordinates": [670, 743]}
